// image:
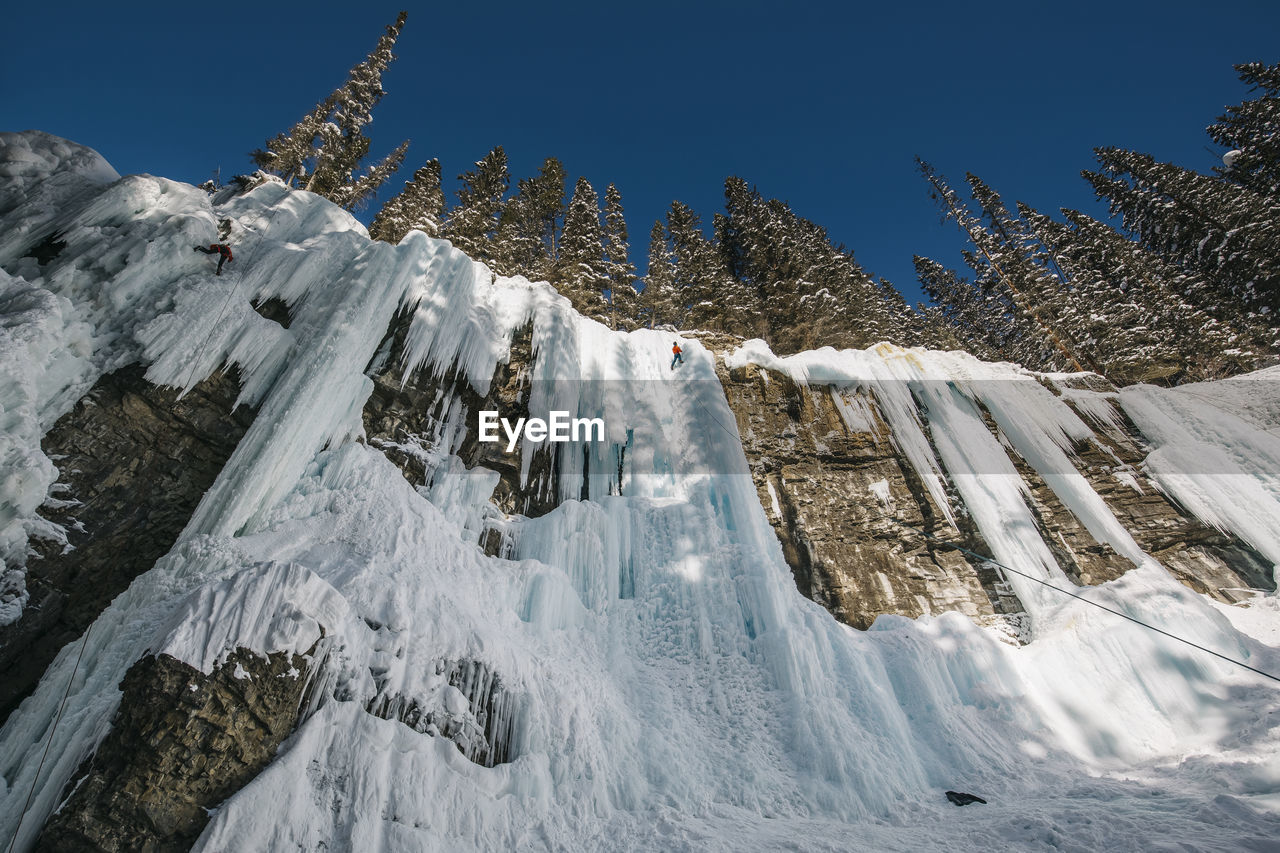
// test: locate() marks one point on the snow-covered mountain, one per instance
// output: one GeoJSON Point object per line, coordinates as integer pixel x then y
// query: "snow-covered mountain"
{"type": "Point", "coordinates": [350, 625]}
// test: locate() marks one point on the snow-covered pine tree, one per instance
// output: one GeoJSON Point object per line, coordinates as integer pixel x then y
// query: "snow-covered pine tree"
{"type": "Point", "coordinates": [622, 273]}
{"type": "Point", "coordinates": [289, 155]}
{"type": "Point", "coordinates": [583, 273]}
{"type": "Point", "coordinates": [1007, 274]}
{"type": "Point", "coordinates": [1130, 307]}
{"type": "Point", "coordinates": [419, 206]}
{"type": "Point", "coordinates": [1252, 129]}
{"type": "Point", "coordinates": [974, 323]}
{"type": "Point", "coordinates": [698, 268]}
{"type": "Point", "coordinates": [324, 151]}
{"type": "Point", "coordinates": [529, 226]}
{"type": "Point", "coordinates": [659, 300]}
{"type": "Point", "coordinates": [472, 224]}
{"type": "Point", "coordinates": [1228, 233]}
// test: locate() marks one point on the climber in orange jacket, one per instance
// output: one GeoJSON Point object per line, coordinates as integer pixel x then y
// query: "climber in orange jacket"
{"type": "Point", "coordinates": [675, 358]}
{"type": "Point", "coordinates": [222, 250]}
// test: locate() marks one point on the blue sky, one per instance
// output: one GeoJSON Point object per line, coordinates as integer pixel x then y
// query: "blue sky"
{"type": "Point", "coordinates": [823, 105]}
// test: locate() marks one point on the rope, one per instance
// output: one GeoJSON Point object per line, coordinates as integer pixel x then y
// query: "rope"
{"type": "Point", "coordinates": [61, 707]}
{"type": "Point", "coordinates": [1122, 615]}
{"type": "Point", "coordinates": [186, 386]}
{"type": "Point", "coordinates": [719, 423]}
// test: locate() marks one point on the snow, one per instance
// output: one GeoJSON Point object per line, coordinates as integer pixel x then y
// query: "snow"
{"type": "Point", "coordinates": [660, 682]}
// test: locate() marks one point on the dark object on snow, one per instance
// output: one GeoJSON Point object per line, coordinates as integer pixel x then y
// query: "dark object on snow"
{"type": "Point", "coordinates": [964, 799]}
{"type": "Point", "coordinates": [221, 249]}
{"type": "Point", "coordinates": [676, 359]}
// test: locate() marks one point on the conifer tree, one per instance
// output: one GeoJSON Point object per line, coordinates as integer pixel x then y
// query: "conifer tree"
{"type": "Point", "coordinates": [1131, 308]}
{"type": "Point", "coordinates": [1252, 129]}
{"type": "Point", "coordinates": [1006, 273]}
{"type": "Point", "coordinates": [705, 292]}
{"type": "Point", "coordinates": [584, 272]}
{"type": "Point", "coordinates": [977, 324]}
{"type": "Point", "coordinates": [659, 299]}
{"type": "Point", "coordinates": [1228, 233]}
{"type": "Point", "coordinates": [529, 226]}
{"type": "Point", "coordinates": [419, 206]}
{"type": "Point", "coordinates": [324, 151]}
{"type": "Point", "coordinates": [471, 225]}
{"type": "Point", "coordinates": [622, 273]}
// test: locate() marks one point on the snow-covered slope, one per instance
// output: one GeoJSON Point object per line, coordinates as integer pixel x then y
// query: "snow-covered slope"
{"type": "Point", "coordinates": [664, 684]}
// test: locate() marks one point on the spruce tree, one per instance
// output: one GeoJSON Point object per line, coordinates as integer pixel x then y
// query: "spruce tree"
{"type": "Point", "coordinates": [584, 272]}
{"type": "Point", "coordinates": [419, 206]}
{"type": "Point", "coordinates": [324, 151]}
{"type": "Point", "coordinates": [659, 300]}
{"type": "Point", "coordinates": [1132, 309]}
{"type": "Point", "coordinates": [1007, 273]}
{"type": "Point", "coordinates": [976, 323]}
{"type": "Point", "coordinates": [471, 225]}
{"type": "Point", "coordinates": [622, 273]}
{"type": "Point", "coordinates": [1252, 129]}
{"type": "Point", "coordinates": [1226, 232]}
{"type": "Point", "coordinates": [529, 226]}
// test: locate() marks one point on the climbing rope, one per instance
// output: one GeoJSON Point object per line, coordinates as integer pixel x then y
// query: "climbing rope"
{"type": "Point", "coordinates": [61, 707]}
{"type": "Point", "coordinates": [719, 423]}
{"type": "Point", "coordinates": [1056, 588]}
{"type": "Point", "coordinates": [205, 345]}
{"type": "Point", "coordinates": [214, 328]}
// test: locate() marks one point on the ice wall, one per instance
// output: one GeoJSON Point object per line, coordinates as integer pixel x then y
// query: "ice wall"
{"type": "Point", "coordinates": [668, 686]}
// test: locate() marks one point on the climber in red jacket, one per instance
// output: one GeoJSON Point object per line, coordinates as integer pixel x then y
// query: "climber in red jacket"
{"type": "Point", "coordinates": [676, 359]}
{"type": "Point", "coordinates": [221, 249]}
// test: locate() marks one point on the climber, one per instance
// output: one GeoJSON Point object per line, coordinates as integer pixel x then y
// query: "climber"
{"type": "Point", "coordinates": [675, 358]}
{"type": "Point", "coordinates": [220, 249]}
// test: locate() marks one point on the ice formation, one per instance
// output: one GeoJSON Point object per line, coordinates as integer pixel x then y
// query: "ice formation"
{"type": "Point", "coordinates": [656, 678]}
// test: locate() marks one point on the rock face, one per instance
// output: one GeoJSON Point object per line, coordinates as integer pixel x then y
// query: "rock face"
{"type": "Point", "coordinates": [133, 461]}
{"type": "Point", "coordinates": [847, 506]}
{"type": "Point", "coordinates": [180, 743]}
{"type": "Point", "coordinates": [418, 422]}
{"type": "Point", "coordinates": [1200, 557]}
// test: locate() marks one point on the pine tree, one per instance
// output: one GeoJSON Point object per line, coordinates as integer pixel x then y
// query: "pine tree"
{"type": "Point", "coordinates": [1131, 309]}
{"type": "Point", "coordinates": [1226, 232]}
{"type": "Point", "coordinates": [419, 206]}
{"type": "Point", "coordinates": [659, 300]}
{"type": "Point", "coordinates": [584, 273]}
{"type": "Point", "coordinates": [324, 151]}
{"type": "Point", "coordinates": [1007, 272]}
{"type": "Point", "coordinates": [529, 226]}
{"type": "Point", "coordinates": [622, 273]}
{"type": "Point", "coordinates": [471, 225]}
{"type": "Point", "coordinates": [1252, 129]}
{"type": "Point", "coordinates": [705, 292]}
{"type": "Point", "coordinates": [974, 322]}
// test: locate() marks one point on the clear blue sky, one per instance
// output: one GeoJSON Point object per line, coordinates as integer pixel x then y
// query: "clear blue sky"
{"type": "Point", "coordinates": [823, 105]}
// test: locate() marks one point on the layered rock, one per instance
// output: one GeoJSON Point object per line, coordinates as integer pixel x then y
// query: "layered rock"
{"type": "Point", "coordinates": [181, 742]}
{"type": "Point", "coordinates": [849, 510]}
{"type": "Point", "coordinates": [847, 506]}
{"type": "Point", "coordinates": [133, 462]}
{"type": "Point", "coordinates": [418, 421]}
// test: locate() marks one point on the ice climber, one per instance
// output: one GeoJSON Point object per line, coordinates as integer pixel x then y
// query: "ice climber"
{"type": "Point", "coordinates": [222, 250]}
{"type": "Point", "coordinates": [675, 358]}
